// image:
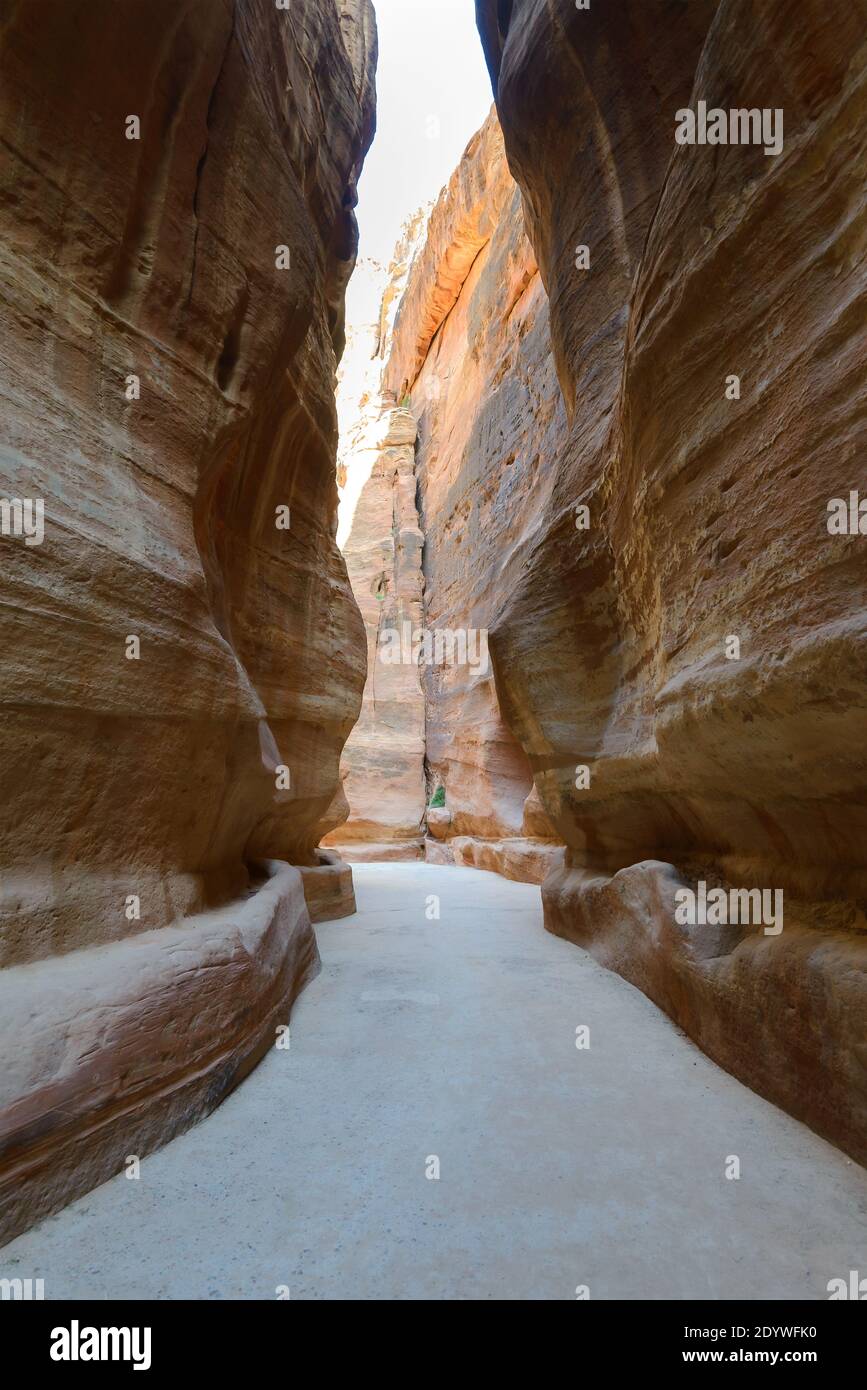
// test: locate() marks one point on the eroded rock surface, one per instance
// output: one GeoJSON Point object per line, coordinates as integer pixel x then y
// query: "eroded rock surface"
{"type": "Point", "coordinates": [172, 319]}
{"type": "Point", "coordinates": [384, 757]}
{"type": "Point", "coordinates": [472, 348]}
{"type": "Point", "coordinates": [383, 803]}
{"type": "Point", "coordinates": [708, 516]}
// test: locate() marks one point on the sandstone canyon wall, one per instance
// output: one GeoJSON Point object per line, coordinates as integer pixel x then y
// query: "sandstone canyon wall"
{"type": "Point", "coordinates": [471, 347]}
{"type": "Point", "coordinates": [172, 316]}
{"type": "Point", "coordinates": [379, 533]}
{"type": "Point", "coordinates": [448, 457]}
{"type": "Point", "coordinates": [707, 516]}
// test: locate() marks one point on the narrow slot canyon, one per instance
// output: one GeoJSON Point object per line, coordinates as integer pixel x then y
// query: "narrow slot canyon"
{"type": "Point", "coordinates": [433, 860]}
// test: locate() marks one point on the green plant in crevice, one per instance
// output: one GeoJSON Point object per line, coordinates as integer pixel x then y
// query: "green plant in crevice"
{"type": "Point", "coordinates": [438, 800]}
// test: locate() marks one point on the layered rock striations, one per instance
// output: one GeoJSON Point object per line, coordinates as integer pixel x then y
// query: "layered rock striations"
{"type": "Point", "coordinates": [686, 672]}
{"type": "Point", "coordinates": [184, 658]}
{"type": "Point", "coordinates": [383, 793]}
{"type": "Point", "coordinates": [384, 757]}
{"type": "Point", "coordinates": [472, 349]}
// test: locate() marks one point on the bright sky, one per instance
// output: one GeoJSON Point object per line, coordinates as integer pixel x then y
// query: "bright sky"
{"type": "Point", "coordinates": [433, 93]}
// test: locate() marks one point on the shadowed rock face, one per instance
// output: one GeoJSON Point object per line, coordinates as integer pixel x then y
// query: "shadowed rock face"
{"type": "Point", "coordinates": [707, 515]}
{"type": "Point", "coordinates": [156, 258]}
{"type": "Point", "coordinates": [471, 344]}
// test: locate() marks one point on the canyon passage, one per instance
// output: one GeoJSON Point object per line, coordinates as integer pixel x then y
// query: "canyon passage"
{"type": "Point", "coordinates": [456, 646]}
{"type": "Point", "coordinates": [557, 1168]}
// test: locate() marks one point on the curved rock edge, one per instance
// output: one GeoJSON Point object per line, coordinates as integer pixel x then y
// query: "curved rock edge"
{"type": "Point", "coordinates": [328, 887]}
{"type": "Point", "coordinates": [783, 1014]}
{"type": "Point", "coordinates": [117, 1049]}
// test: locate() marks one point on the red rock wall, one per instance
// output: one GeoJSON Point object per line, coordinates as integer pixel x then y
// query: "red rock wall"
{"type": "Point", "coordinates": [156, 777]}
{"type": "Point", "coordinates": [707, 515]}
{"type": "Point", "coordinates": [471, 344]}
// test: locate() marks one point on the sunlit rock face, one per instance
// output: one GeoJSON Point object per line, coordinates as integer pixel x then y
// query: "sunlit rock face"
{"type": "Point", "coordinates": [733, 764]}
{"type": "Point", "coordinates": [471, 347]}
{"type": "Point", "coordinates": [382, 803]}
{"type": "Point", "coordinates": [384, 757]}
{"type": "Point", "coordinates": [176, 203]}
